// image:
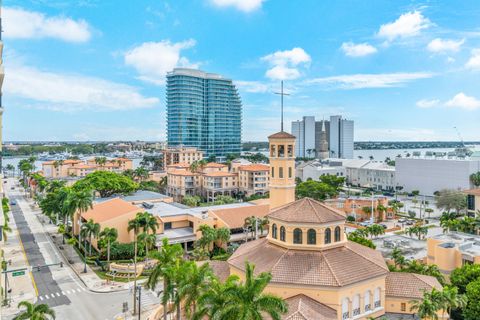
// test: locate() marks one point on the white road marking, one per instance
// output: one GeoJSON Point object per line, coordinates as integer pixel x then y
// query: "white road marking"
{"type": "Point", "coordinates": [68, 291]}
{"type": "Point", "coordinates": [40, 297]}
{"type": "Point", "coordinates": [63, 292]}
{"type": "Point", "coordinates": [58, 294]}
{"type": "Point", "coordinates": [53, 296]}
{"type": "Point", "coordinates": [47, 297]}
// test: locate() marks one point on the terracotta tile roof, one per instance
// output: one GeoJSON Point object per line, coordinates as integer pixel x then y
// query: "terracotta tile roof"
{"type": "Point", "coordinates": [473, 192]}
{"type": "Point", "coordinates": [110, 209]}
{"type": "Point", "coordinates": [215, 165]}
{"type": "Point", "coordinates": [71, 161]}
{"type": "Point", "coordinates": [409, 285]}
{"type": "Point", "coordinates": [179, 165]}
{"type": "Point", "coordinates": [301, 307]}
{"type": "Point", "coordinates": [235, 217]}
{"type": "Point", "coordinates": [220, 268]}
{"type": "Point", "coordinates": [333, 267]}
{"type": "Point", "coordinates": [255, 167]}
{"type": "Point", "coordinates": [83, 166]}
{"type": "Point", "coordinates": [307, 210]}
{"type": "Point", "coordinates": [280, 135]}
{"type": "Point", "coordinates": [259, 202]}
{"type": "Point", "coordinates": [182, 173]}
{"type": "Point", "coordinates": [219, 174]}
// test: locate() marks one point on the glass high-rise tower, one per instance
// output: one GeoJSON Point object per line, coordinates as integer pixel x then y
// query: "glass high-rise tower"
{"type": "Point", "coordinates": [204, 110]}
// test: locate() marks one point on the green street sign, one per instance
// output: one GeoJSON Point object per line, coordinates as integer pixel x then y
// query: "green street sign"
{"type": "Point", "coordinates": [18, 273]}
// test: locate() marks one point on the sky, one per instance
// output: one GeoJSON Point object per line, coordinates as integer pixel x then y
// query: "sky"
{"type": "Point", "coordinates": [95, 69]}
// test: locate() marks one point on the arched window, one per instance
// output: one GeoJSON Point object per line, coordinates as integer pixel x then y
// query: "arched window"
{"type": "Point", "coordinates": [376, 298]}
{"type": "Point", "coordinates": [345, 306]}
{"type": "Point", "coordinates": [337, 234]}
{"type": "Point", "coordinates": [356, 305]}
{"type": "Point", "coordinates": [311, 236]}
{"type": "Point", "coordinates": [297, 236]}
{"type": "Point", "coordinates": [280, 172]}
{"type": "Point", "coordinates": [274, 231]}
{"type": "Point", "coordinates": [282, 233]}
{"type": "Point", "coordinates": [366, 299]}
{"type": "Point", "coordinates": [328, 236]}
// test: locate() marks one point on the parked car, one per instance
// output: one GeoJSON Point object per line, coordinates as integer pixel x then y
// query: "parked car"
{"type": "Point", "coordinates": [384, 226]}
{"type": "Point", "coordinates": [13, 202]}
{"type": "Point", "coordinates": [402, 220]}
{"type": "Point", "coordinates": [410, 222]}
{"type": "Point", "coordinates": [365, 223]}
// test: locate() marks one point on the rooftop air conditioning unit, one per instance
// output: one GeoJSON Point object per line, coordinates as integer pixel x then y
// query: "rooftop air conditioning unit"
{"type": "Point", "coordinates": [204, 215]}
{"type": "Point", "coordinates": [147, 205]}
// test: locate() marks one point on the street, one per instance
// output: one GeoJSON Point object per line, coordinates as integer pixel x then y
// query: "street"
{"type": "Point", "coordinates": [59, 286]}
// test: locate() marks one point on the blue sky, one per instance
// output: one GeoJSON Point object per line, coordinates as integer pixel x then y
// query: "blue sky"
{"type": "Point", "coordinates": [94, 70]}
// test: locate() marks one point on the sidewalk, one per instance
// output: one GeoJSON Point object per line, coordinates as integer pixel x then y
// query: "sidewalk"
{"type": "Point", "coordinates": [72, 259]}
{"type": "Point", "coordinates": [23, 286]}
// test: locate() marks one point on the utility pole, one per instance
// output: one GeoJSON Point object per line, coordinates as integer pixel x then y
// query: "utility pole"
{"type": "Point", "coordinates": [372, 217]}
{"type": "Point", "coordinates": [139, 301]}
{"type": "Point", "coordinates": [256, 228]}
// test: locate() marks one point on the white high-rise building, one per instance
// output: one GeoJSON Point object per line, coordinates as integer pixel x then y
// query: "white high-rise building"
{"type": "Point", "coordinates": [304, 132]}
{"type": "Point", "coordinates": [341, 138]}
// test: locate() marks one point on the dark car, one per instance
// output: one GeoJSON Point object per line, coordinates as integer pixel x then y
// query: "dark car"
{"type": "Point", "coordinates": [13, 202]}
{"type": "Point", "coordinates": [384, 226]}
{"type": "Point", "coordinates": [410, 222]}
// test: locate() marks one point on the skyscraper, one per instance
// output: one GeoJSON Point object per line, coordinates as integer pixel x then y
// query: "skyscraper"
{"type": "Point", "coordinates": [2, 75]}
{"type": "Point", "coordinates": [204, 110]}
{"type": "Point", "coordinates": [304, 132]}
{"type": "Point", "coordinates": [341, 138]}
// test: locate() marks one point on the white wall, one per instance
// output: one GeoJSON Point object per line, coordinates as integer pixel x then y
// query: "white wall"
{"type": "Point", "coordinates": [430, 175]}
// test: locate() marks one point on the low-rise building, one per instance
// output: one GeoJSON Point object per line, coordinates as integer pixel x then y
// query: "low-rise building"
{"type": "Point", "coordinates": [315, 169]}
{"type": "Point", "coordinates": [452, 250]}
{"type": "Point", "coordinates": [361, 207]}
{"type": "Point", "coordinates": [473, 201]}
{"type": "Point", "coordinates": [253, 179]}
{"type": "Point", "coordinates": [60, 169]}
{"type": "Point", "coordinates": [369, 174]}
{"type": "Point", "coordinates": [174, 155]}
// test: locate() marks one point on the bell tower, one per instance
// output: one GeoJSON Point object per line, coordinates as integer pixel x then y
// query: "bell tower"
{"type": "Point", "coordinates": [282, 169]}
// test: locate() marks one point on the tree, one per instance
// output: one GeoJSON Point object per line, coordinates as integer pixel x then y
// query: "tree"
{"type": "Point", "coordinates": [475, 179]}
{"type": "Point", "coordinates": [90, 230]}
{"type": "Point", "coordinates": [167, 256]}
{"type": "Point", "coordinates": [248, 301]}
{"type": "Point", "coordinates": [359, 238]}
{"type": "Point", "coordinates": [428, 307]}
{"type": "Point", "coordinates": [317, 190]}
{"type": "Point", "coordinates": [191, 201]}
{"type": "Point", "coordinates": [375, 230]}
{"type": "Point", "coordinates": [34, 312]}
{"type": "Point", "coordinates": [135, 225]}
{"type": "Point", "coordinates": [109, 235]}
{"type": "Point", "coordinates": [398, 258]}
{"type": "Point", "coordinates": [453, 300]}
{"type": "Point", "coordinates": [472, 309]}
{"type": "Point", "coordinates": [461, 277]}
{"type": "Point", "coordinates": [451, 200]}
{"type": "Point", "coordinates": [10, 167]}
{"type": "Point", "coordinates": [101, 161]}
{"type": "Point", "coordinates": [141, 173]}
{"type": "Point", "coordinates": [107, 183]}
{"type": "Point", "coordinates": [222, 236]}
{"type": "Point", "coordinates": [213, 301]}
{"type": "Point", "coordinates": [196, 281]}
{"type": "Point", "coordinates": [148, 240]}
{"type": "Point", "coordinates": [209, 236]}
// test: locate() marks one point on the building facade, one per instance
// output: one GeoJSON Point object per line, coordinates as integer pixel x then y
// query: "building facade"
{"type": "Point", "coordinates": [341, 138]}
{"type": "Point", "coordinates": [79, 168]}
{"type": "Point", "coordinates": [310, 139]}
{"type": "Point", "coordinates": [204, 110]}
{"type": "Point", "coordinates": [431, 174]}
{"type": "Point", "coordinates": [175, 155]}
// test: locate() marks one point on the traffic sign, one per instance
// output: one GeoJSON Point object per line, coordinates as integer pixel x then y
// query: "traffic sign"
{"type": "Point", "coordinates": [18, 273]}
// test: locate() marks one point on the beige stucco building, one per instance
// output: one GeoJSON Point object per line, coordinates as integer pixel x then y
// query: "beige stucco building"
{"type": "Point", "coordinates": [175, 155]}
{"type": "Point", "coordinates": [78, 168]}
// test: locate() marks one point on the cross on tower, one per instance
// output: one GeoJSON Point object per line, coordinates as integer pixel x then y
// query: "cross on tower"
{"type": "Point", "coordinates": [281, 93]}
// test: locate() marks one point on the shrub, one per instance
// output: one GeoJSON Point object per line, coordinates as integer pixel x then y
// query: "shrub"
{"type": "Point", "coordinates": [119, 251]}
{"type": "Point", "coordinates": [351, 219]}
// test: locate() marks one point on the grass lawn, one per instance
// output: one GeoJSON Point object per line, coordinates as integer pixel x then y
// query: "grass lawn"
{"type": "Point", "coordinates": [103, 275]}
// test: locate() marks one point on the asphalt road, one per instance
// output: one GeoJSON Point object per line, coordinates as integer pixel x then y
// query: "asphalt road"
{"type": "Point", "coordinates": [45, 283]}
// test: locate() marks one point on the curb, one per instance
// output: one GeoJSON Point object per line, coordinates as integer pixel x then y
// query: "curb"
{"type": "Point", "coordinates": [77, 273]}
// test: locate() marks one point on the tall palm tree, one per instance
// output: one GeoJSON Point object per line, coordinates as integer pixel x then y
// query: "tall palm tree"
{"type": "Point", "coordinates": [101, 161]}
{"type": "Point", "coordinates": [135, 225]}
{"type": "Point", "coordinates": [167, 256]}
{"type": "Point", "coordinates": [35, 312]}
{"type": "Point", "coordinates": [109, 235]}
{"type": "Point", "coordinates": [429, 305]}
{"type": "Point", "coordinates": [141, 173]}
{"type": "Point", "coordinates": [222, 236]}
{"type": "Point", "coordinates": [247, 300]}
{"type": "Point", "coordinates": [90, 230]}
{"type": "Point", "coordinates": [195, 282]}
{"type": "Point", "coordinates": [452, 299]}
{"type": "Point", "coordinates": [212, 302]}
{"type": "Point", "coordinates": [80, 201]}
{"type": "Point", "coordinates": [207, 238]}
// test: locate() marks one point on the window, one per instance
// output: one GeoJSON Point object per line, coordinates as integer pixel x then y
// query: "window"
{"type": "Point", "coordinates": [471, 202]}
{"type": "Point", "coordinates": [280, 172]}
{"type": "Point", "coordinates": [273, 172]}
{"type": "Point", "coordinates": [289, 172]}
{"type": "Point", "coordinates": [190, 224]}
{"type": "Point", "coordinates": [290, 151]}
{"type": "Point", "coordinates": [328, 236]}
{"type": "Point", "coordinates": [297, 236]}
{"type": "Point", "coordinates": [281, 151]}
{"type": "Point", "coordinates": [273, 151]}
{"type": "Point", "coordinates": [337, 234]}
{"type": "Point", "coordinates": [345, 311]}
{"type": "Point", "coordinates": [366, 299]}
{"type": "Point", "coordinates": [356, 305]}
{"type": "Point", "coordinates": [376, 298]}
{"type": "Point", "coordinates": [274, 231]}
{"type": "Point", "coordinates": [282, 233]}
{"type": "Point", "coordinates": [403, 306]}
{"type": "Point", "coordinates": [167, 225]}
{"type": "Point", "coordinates": [311, 236]}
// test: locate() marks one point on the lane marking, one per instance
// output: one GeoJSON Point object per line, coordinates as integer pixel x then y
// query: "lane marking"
{"type": "Point", "coordinates": [47, 297]}
{"type": "Point", "coordinates": [58, 294]}
{"type": "Point", "coordinates": [68, 291]}
{"type": "Point", "coordinates": [26, 259]}
{"type": "Point", "coordinates": [53, 296]}
{"type": "Point", "coordinates": [63, 292]}
{"type": "Point", "coordinates": [41, 298]}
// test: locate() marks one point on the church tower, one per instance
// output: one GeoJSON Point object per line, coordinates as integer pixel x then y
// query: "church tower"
{"type": "Point", "coordinates": [323, 152]}
{"type": "Point", "coordinates": [282, 169]}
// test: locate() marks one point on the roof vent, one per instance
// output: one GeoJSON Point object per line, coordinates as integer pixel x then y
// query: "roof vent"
{"type": "Point", "coordinates": [204, 215]}
{"type": "Point", "coordinates": [147, 205]}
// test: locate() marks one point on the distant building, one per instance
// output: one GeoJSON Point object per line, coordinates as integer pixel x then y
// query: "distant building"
{"type": "Point", "coordinates": [355, 207]}
{"type": "Point", "coordinates": [341, 138]}
{"type": "Point", "coordinates": [430, 174]}
{"type": "Point", "coordinates": [79, 168]}
{"type": "Point", "coordinates": [323, 139]}
{"type": "Point", "coordinates": [204, 110]}
{"type": "Point", "coordinates": [175, 155]}
{"type": "Point", "coordinates": [315, 169]}
{"type": "Point", "coordinates": [473, 201]}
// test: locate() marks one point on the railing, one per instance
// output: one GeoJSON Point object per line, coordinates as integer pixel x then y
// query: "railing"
{"type": "Point", "coordinates": [368, 307]}
{"type": "Point", "coordinates": [356, 312]}
{"type": "Point", "coordinates": [345, 315]}
{"type": "Point", "coordinates": [377, 304]}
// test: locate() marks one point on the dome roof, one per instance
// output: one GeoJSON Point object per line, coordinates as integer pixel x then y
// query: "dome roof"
{"type": "Point", "coordinates": [307, 210]}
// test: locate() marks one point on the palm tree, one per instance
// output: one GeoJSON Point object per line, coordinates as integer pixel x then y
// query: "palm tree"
{"type": "Point", "coordinates": [452, 300]}
{"type": "Point", "coordinates": [429, 305]}
{"type": "Point", "coordinates": [109, 235]}
{"type": "Point", "coordinates": [90, 229]}
{"type": "Point", "coordinates": [135, 225]}
{"type": "Point", "coordinates": [5, 230]}
{"type": "Point", "coordinates": [375, 230]}
{"type": "Point", "coordinates": [35, 312]}
{"type": "Point", "coordinates": [398, 258]}
{"type": "Point", "coordinates": [80, 201]}
{"type": "Point", "coordinates": [250, 223]}
{"type": "Point", "coordinates": [141, 173]}
{"type": "Point", "coordinates": [196, 281]}
{"type": "Point", "coordinates": [222, 236]}
{"type": "Point", "coordinates": [10, 167]}
{"type": "Point", "coordinates": [166, 257]}
{"type": "Point", "coordinates": [194, 166]}
{"type": "Point", "coordinates": [208, 237]}
{"type": "Point", "coordinates": [148, 240]}
{"type": "Point", "coordinates": [149, 222]}
{"type": "Point", "coordinates": [247, 300]}
{"type": "Point", "coordinates": [101, 161]}
{"type": "Point", "coordinates": [212, 302]}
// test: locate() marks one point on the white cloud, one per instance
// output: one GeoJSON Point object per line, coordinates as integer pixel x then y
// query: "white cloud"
{"type": "Point", "coordinates": [285, 63]}
{"type": "Point", "coordinates": [463, 101]}
{"type": "Point", "coordinates": [61, 92]}
{"type": "Point", "coordinates": [407, 25]}
{"type": "Point", "coordinates": [358, 50]}
{"type": "Point", "coordinates": [474, 61]}
{"type": "Point", "coordinates": [362, 81]}
{"type": "Point", "coordinates": [439, 45]}
{"type": "Point", "coordinates": [153, 60]}
{"type": "Point", "coordinates": [252, 86]}
{"type": "Point", "coordinates": [22, 24]}
{"type": "Point", "coordinates": [425, 103]}
{"type": "Point", "coordinates": [242, 5]}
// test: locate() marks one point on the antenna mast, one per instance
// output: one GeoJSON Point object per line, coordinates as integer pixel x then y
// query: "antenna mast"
{"type": "Point", "coordinates": [281, 93]}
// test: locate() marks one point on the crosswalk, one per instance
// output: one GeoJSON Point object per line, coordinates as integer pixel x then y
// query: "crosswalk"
{"type": "Point", "coordinates": [49, 296]}
{"type": "Point", "coordinates": [149, 298]}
